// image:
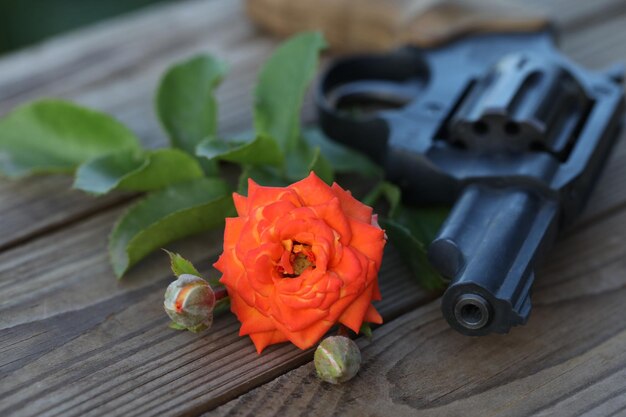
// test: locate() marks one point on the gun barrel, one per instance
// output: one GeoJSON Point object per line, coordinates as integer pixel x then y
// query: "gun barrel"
{"type": "Point", "coordinates": [488, 247]}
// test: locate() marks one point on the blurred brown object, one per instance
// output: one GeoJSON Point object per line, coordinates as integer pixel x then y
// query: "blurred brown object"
{"type": "Point", "coordinates": [369, 25]}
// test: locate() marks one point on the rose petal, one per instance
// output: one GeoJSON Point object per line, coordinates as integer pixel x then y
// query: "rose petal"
{"type": "Point", "coordinates": [351, 206]}
{"type": "Point", "coordinates": [376, 295]}
{"type": "Point", "coordinates": [232, 231]}
{"type": "Point", "coordinates": [230, 268]}
{"type": "Point", "coordinates": [252, 321]}
{"type": "Point", "coordinates": [311, 292]}
{"type": "Point", "coordinates": [308, 337]}
{"type": "Point", "coordinates": [295, 319]}
{"type": "Point", "coordinates": [331, 213]}
{"type": "Point", "coordinates": [352, 270]}
{"type": "Point", "coordinates": [241, 204]}
{"type": "Point", "coordinates": [368, 239]}
{"type": "Point", "coordinates": [264, 339]}
{"type": "Point", "coordinates": [259, 196]}
{"type": "Point", "coordinates": [312, 190]}
{"type": "Point", "coordinates": [353, 316]}
{"type": "Point", "coordinates": [372, 316]}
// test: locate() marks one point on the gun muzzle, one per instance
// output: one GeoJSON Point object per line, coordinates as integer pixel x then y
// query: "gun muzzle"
{"type": "Point", "coordinates": [487, 247]}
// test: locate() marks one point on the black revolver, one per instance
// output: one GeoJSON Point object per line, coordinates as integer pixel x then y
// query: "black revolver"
{"type": "Point", "coordinates": [502, 125]}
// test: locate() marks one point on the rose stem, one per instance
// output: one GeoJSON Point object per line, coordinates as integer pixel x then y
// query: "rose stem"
{"type": "Point", "coordinates": [220, 292]}
{"type": "Point", "coordinates": [343, 331]}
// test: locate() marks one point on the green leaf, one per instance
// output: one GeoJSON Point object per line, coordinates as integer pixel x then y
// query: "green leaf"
{"type": "Point", "coordinates": [390, 192]}
{"type": "Point", "coordinates": [104, 173]}
{"type": "Point", "coordinates": [55, 136]}
{"type": "Point", "coordinates": [185, 102]}
{"type": "Point", "coordinates": [298, 164]}
{"type": "Point", "coordinates": [197, 329]}
{"type": "Point", "coordinates": [262, 150]}
{"type": "Point", "coordinates": [262, 175]}
{"type": "Point", "coordinates": [167, 215]}
{"type": "Point", "coordinates": [221, 306]}
{"type": "Point", "coordinates": [423, 222]}
{"type": "Point", "coordinates": [165, 167]}
{"type": "Point", "coordinates": [181, 265]}
{"type": "Point", "coordinates": [366, 330]}
{"type": "Point", "coordinates": [322, 167]}
{"type": "Point", "coordinates": [176, 326]}
{"type": "Point", "coordinates": [413, 253]}
{"type": "Point", "coordinates": [281, 86]}
{"type": "Point", "coordinates": [136, 171]}
{"type": "Point", "coordinates": [304, 159]}
{"type": "Point", "coordinates": [342, 158]}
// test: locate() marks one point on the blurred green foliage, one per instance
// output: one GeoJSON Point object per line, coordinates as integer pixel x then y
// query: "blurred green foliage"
{"type": "Point", "coordinates": [24, 22]}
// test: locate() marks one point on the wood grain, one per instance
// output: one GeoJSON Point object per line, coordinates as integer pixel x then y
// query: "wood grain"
{"type": "Point", "coordinates": [74, 341]}
{"type": "Point", "coordinates": [115, 66]}
{"type": "Point", "coordinates": [568, 360]}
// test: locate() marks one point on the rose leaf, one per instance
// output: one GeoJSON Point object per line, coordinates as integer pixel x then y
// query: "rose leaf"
{"type": "Point", "coordinates": [261, 150]}
{"type": "Point", "coordinates": [366, 330]}
{"type": "Point", "coordinates": [136, 171]}
{"type": "Point", "coordinates": [164, 216]}
{"type": "Point", "coordinates": [176, 326]}
{"type": "Point", "coordinates": [281, 86]}
{"type": "Point", "coordinates": [181, 265]}
{"type": "Point", "coordinates": [262, 175]}
{"type": "Point", "coordinates": [389, 191]}
{"type": "Point", "coordinates": [413, 252]}
{"type": "Point", "coordinates": [55, 136]}
{"type": "Point", "coordinates": [185, 102]}
{"type": "Point", "coordinates": [304, 159]}
{"type": "Point", "coordinates": [423, 222]}
{"type": "Point", "coordinates": [342, 158]}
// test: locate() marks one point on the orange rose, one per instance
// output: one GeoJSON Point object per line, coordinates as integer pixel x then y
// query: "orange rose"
{"type": "Point", "coordinates": [300, 259]}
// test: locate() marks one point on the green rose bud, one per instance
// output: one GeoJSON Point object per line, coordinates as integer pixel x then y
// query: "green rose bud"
{"type": "Point", "coordinates": [337, 359]}
{"type": "Point", "coordinates": [189, 302]}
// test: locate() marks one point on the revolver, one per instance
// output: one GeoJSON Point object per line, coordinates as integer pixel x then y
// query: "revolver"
{"type": "Point", "coordinates": [501, 125]}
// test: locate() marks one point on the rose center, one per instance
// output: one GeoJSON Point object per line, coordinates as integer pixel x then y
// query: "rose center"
{"type": "Point", "coordinates": [297, 258]}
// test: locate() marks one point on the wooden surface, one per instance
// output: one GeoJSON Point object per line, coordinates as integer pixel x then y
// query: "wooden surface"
{"type": "Point", "coordinates": [372, 25]}
{"type": "Point", "coordinates": [76, 342]}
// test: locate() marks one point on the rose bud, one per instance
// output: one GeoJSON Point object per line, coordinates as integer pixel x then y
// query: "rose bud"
{"type": "Point", "coordinates": [337, 359]}
{"type": "Point", "coordinates": [189, 302]}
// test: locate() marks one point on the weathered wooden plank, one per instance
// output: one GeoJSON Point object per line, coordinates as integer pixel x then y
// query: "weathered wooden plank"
{"type": "Point", "coordinates": [77, 342]}
{"type": "Point", "coordinates": [598, 47]}
{"type": "Point", "coordinates": [115, 67]}
{"type": "Point", "coordinates": [572, 15]}
{"type": "Point", "coordinates": [568, 360]}
{"type": "Point", "coordinates": [572, 348]}
{"type": "Point", "coordinates": [74, 341]}
{"type": "Point", "coordinates": [77, 347]}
